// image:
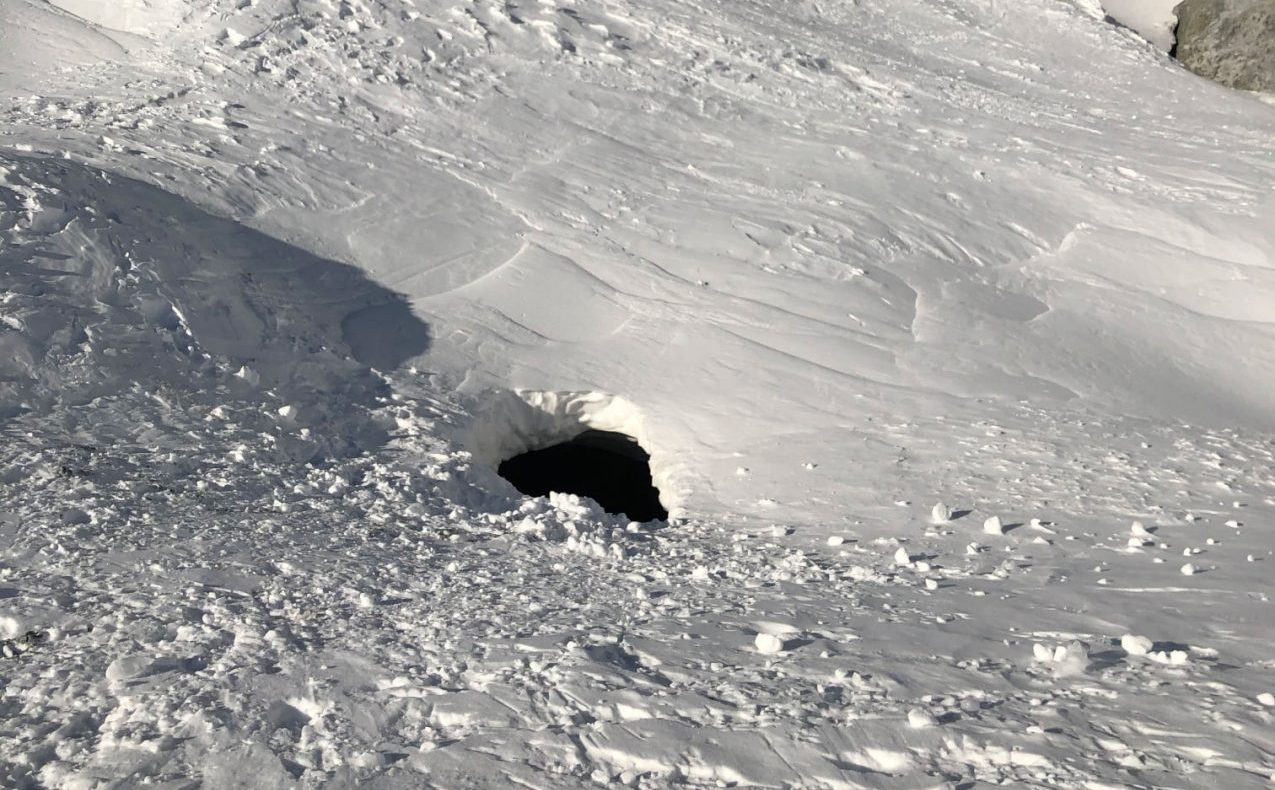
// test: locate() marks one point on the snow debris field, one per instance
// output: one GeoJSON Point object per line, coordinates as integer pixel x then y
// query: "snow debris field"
{"type": "Point", "coordinates": [942, 332]}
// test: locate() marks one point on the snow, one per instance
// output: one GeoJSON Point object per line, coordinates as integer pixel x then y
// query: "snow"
{"type": "Point", "coordinates": [1154, 20]}
{"type": "Point", "coordinates": [281, 283]}
{"type": "Point", "coordinates": [768, 644]}
{"type": "Point", "coordinates": [1136, 645]}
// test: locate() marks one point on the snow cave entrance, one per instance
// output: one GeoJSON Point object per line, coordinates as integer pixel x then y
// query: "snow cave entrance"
{"type": "Point", "coordinates": [608, 467]}
{"type": "Point", "coordinates": [590, 444]}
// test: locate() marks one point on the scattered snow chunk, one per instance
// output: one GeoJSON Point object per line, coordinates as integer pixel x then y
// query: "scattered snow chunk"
{"type": "Point", "coordinates": [993, 526]}
{"type": "Point", "coordinates": [920, 719]}
{"type": "Point", "coordinates": [1136, 645]}
{"type": "Point", "coordinates": [128, 667]}
{"type": "Point", "coordinates": [1068, 659]}
{"type": "Point", "coordinates": [835, 540]}
{"type": "Point", "coordinates": [768, 644]}
{"type": "Point", "coordinates": [902, 558]}
{"type": "Point", "coordinates": [941, 514]}
{"type": "Point", "coordinates": [10, 626]}
{"type": "Point", "coordinates": [1267, 699]}
{"type": "Point", "coordinates": [1071, 659]}
{"type": "Point", "coordinates": [1138, 529]}
{"type": "Point", "coordinates": [1188, 569]}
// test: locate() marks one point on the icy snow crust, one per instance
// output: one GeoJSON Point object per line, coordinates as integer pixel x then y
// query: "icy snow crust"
{"type": "Point", "coordinates": [948, 327]}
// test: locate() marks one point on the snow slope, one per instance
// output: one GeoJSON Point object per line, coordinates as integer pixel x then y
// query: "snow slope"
{"type": "Point", "coordinates": [283, 281]}
{"type": "Point", "coordinates": [1154, 20]}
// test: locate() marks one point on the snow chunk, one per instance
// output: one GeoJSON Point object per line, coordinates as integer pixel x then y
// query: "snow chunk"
{"type": "Point", "coordinates": [1043, 526]}
{"type": "Point", "coordinates": [993, 526]}
{"type": "Point", "coordinates": [1136, 645]}
{"type": "Point", "coordinates": [1068, 659]}
{"type": "Point", "coordinates": [768, 644]}
{"type": "Point", "coordinates": [10, 626]}
{"type": "Point", "coordinates": [1175, 657]}
{"type": "Point", "coordinates": [920, 719]}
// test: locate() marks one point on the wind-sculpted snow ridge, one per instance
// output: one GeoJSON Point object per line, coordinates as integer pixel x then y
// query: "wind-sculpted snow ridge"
{"type": "Point", "coordinates": [947, 327]}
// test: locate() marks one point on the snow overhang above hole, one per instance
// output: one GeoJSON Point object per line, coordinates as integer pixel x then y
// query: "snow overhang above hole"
{"type": "Point", "coordinates": [513, 423]}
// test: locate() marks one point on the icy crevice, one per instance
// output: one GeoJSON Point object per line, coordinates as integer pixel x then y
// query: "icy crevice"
{"type": "Point", "coordinates": [509, 423]}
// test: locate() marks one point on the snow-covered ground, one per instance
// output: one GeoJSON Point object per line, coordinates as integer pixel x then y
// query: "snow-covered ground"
{"type": "Point", "coordinates": [948, 326]}
{"type": "Point", "coordinates": [1154, 20]}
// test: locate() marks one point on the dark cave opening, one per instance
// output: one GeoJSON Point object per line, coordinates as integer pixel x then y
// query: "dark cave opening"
{"type": "Point", "coordinates": [610, 468]}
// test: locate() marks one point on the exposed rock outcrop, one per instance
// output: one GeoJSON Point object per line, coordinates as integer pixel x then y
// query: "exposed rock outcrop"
{"type": "Point", "coordinates": [1230, 41]}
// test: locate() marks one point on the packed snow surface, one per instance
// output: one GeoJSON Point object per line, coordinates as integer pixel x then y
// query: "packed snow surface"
{"type": "Point", "coordinates": [917, 307]}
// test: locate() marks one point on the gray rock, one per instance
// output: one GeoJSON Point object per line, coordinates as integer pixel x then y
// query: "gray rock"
{"type": "Point", "coordinates": [1229, 41]}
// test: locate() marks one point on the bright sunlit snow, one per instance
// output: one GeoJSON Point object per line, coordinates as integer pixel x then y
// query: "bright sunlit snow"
{"type": "Point", "coordinates": [1154, 20]}
{"type": "Point", "coordinates": [948, 327]}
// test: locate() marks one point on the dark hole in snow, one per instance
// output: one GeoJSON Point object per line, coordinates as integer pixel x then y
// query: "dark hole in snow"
{"type": "Point", "coordinates": [610, 468]}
